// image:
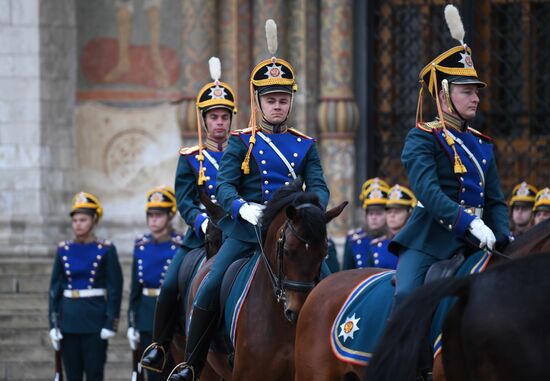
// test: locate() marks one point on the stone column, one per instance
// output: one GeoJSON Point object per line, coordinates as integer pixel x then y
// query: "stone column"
{"type": "Point", "coordinates": [199, 43]}
{"type": "Point", "coordinates": [37, 154]}
{"type": "Point", "coordinates": [338, 114]}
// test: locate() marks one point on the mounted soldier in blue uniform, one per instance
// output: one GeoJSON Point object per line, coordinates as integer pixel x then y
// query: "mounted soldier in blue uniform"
{"type": "Point", "coordinates": [258, 161]}
{"type": "Point", "coordinates": [85, 293]}
{"type": "Point", "coordinates": [521, 205]}
{"type": "Point", "coordinates": [542, 206]}
{"type": "Point", "coordinates": [399, 206]}
{"type": "Point", "coordinates": [197, 166]}
{"type": "Point", "coordinates": [153, 253]}
{"type": "Point", "coordinates": [374, 195]}
{"type": "Point", "coordinates": [451, 169]}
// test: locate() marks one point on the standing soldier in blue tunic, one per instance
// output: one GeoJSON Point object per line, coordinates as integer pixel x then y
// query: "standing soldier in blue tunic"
{"type": "Point", "coordinates": [153, 253]}
{"type": "Point", "coordinates": [451, 169]}
{"type": "Point", "coordinates": [85, 294]}
{"type": "Point", "coordinates": [542, 206]}
{"type": "Point", "coordinates": [374, 196]}
{"type": "Point", "coordinates": [257, 162]}
{"type": "Point", "coordinates": [399, 206]}
{"type": "Point", "coordinates": [197, 166]}
{"type": "Point", "coordinates": [521, 206]}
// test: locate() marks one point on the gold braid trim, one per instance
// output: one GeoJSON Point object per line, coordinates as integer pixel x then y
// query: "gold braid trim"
{"type": "Point", "coordinates": [245, 166]}
{"type": "Point", "coordinates": [459, 167]}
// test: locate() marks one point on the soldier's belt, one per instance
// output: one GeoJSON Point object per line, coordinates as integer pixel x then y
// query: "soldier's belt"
{"type": "Point", "coordinates": [151, 291]}
{"type": "Point", "coordinates": [86, 293]}
{"type": "Point", "coordinates": [478, 212]}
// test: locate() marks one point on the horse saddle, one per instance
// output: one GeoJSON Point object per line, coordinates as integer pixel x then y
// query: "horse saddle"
{"type": "Point", "coordinates": [446, 268]}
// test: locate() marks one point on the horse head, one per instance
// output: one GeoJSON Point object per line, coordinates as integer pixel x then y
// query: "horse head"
{"type": "Point", "coordinates": [305, 248]}
{"type": "Point", "coordinates": [213, 236]}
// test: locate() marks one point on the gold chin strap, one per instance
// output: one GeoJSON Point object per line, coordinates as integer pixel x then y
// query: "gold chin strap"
{"type": "Point", "coordinates": [245, 166]}
{"type": "Point", "coordinates": [458, 166]}
{"type": "Point", "coordinates": [202, 177]}
{"type": "Point", "coordinates": [445, 85]}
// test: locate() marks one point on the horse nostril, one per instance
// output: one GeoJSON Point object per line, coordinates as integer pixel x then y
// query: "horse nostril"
{"type": "Point", "coordinates": [291, 316]}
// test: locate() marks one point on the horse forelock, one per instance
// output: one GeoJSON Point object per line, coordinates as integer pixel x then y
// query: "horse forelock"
{"type": "Point", "coordinates": [311, 218]}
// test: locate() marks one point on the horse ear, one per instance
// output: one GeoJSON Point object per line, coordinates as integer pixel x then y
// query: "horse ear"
{"type": "Point", "coordinates": [334, 212]}
{"type": "Point", "coordinates": [291, 212]}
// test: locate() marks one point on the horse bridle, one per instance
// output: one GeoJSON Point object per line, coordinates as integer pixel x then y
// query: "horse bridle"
{"type": "Point", "coordinates": [279, 282]}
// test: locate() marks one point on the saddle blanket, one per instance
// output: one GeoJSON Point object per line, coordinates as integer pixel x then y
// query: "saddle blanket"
{"type": "Point", "coordinates": [238, 294]}
{"type": "Point", "coordinates": [364, 314]}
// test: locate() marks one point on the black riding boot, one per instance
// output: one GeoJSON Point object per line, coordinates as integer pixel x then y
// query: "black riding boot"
{"type": "Point", "coordinates": [201, 329]}
{"type": "Point", "coordinates": [155, 355]}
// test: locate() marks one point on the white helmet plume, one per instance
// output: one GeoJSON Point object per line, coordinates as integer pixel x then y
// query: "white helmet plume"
{"type": "Point", "coordinates": [271, 36]}
{"type": "Point", "coordinates": [454, 22]}
{"type": "Point", "coordinates": [215, 67]}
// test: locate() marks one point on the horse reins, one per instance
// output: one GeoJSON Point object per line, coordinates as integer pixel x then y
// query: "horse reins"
{"type": "Point", "coordinates": [278, 281]}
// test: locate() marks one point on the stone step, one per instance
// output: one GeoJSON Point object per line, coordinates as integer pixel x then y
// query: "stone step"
{"type": "Point", "coordinates": [20, 319]}
{"type": "Point", "coordinates": [26, 265]}
{"type": "Point", "coordinates": [24, 283]}
{"type": "Point", "coordinates": [44, 370]}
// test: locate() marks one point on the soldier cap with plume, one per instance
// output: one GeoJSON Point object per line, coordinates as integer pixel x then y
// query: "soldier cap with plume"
{"type": "Point", "coordinates": [273, 75]}
{"type": "Point", "coordinates": [213, 95]}
{"type": "Point", "coordinates": [455, 66]}
{"type": "Point", "coordinates": [162, 199]}
{"type": "Point", "coordinates": [87, 203]}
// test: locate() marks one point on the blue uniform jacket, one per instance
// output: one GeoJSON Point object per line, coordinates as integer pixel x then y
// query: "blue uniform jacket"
{"type": "Point", "coordinates": [379, 254]}
{"type": "Point", "coordinates": [79, 266]}
{"type": "Point", "coordinates": [151, 261]}
{"type": "Point", "coordinates": [187, 191]}
{"type": "Point", "coordinates": [356, 249]}
{"type": "Point", "coordinates": [267, 174]}
{"type": "Point", "coordinates": [437, 225]}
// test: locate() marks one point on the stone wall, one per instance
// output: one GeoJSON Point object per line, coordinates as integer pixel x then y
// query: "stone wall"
{"type": "Point", "coordinates": [33, 112]}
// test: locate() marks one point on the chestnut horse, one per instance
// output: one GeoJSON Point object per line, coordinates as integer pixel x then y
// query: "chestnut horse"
{"type": "Point", "coordinates": [313, 348]}
{"type": "Point", "coordinates": [497, 329]}
{"type": "Point", "coordinates": [294, 237]}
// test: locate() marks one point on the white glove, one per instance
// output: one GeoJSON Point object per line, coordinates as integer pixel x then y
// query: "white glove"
{"type": "Point", "coordinates": [482, 232]}
{"type": "Point", "coordinates": [251, 213]}
{"type": "Point", "coordinates": [107, 333]}
{"type": "Point", "coordinates": [133, 338]}
{"type": "Point", "coordinates": [56, 336]}
{"type": "Point", "coordinates": [204, 225]}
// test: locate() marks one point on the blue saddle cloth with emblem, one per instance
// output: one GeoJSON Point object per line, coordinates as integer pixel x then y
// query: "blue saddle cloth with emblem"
{"type": "Point", "coordinates": [364, 314]}
{"type": "Point", "coordinates": [362, 318]}
{"type": "Point", "coordinates": [238, 294]}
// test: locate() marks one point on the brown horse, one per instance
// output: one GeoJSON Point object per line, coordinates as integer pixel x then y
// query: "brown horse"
{"type": "Point", "coordinates": [496, 330]}
{"type": "Point", "coordinates": [313, 349]}
{"type": "Point", "coordinates": [295, 244]}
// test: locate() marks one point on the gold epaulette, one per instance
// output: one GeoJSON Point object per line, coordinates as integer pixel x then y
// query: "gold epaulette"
{"type": "Point", "coordinates": [142, 239]}
{"type": "Point", "coordinates": [62, 243]}
{"type": "Point", "coordinates": [105, 242]}
{"type": "Point", "coordinates": [376, 240]}
{"type": "Point", "coordinates": [298, 133]}
{"type": "Point", "coordinates": [189, 150]}
{"type": "Point", "coordinates": [477, 133]}
{"type": "Point", "coordinates": [430, 126]}
{"type": "Point", "coordinates": [247, 130]}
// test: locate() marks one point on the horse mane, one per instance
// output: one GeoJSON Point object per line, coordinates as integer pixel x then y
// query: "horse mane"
{"type": "Point", "coordinates": [293, 194]}
{"type": "Point", "coordinates": [531, 235]}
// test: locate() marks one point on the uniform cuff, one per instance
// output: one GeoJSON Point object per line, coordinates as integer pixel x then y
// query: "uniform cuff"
{"type": "Point", "coordinates": [197, 225]}
{"type": "Point", "coordinates": [462, 222]}
{"type": "Point", "coordinates": [236, 206]}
